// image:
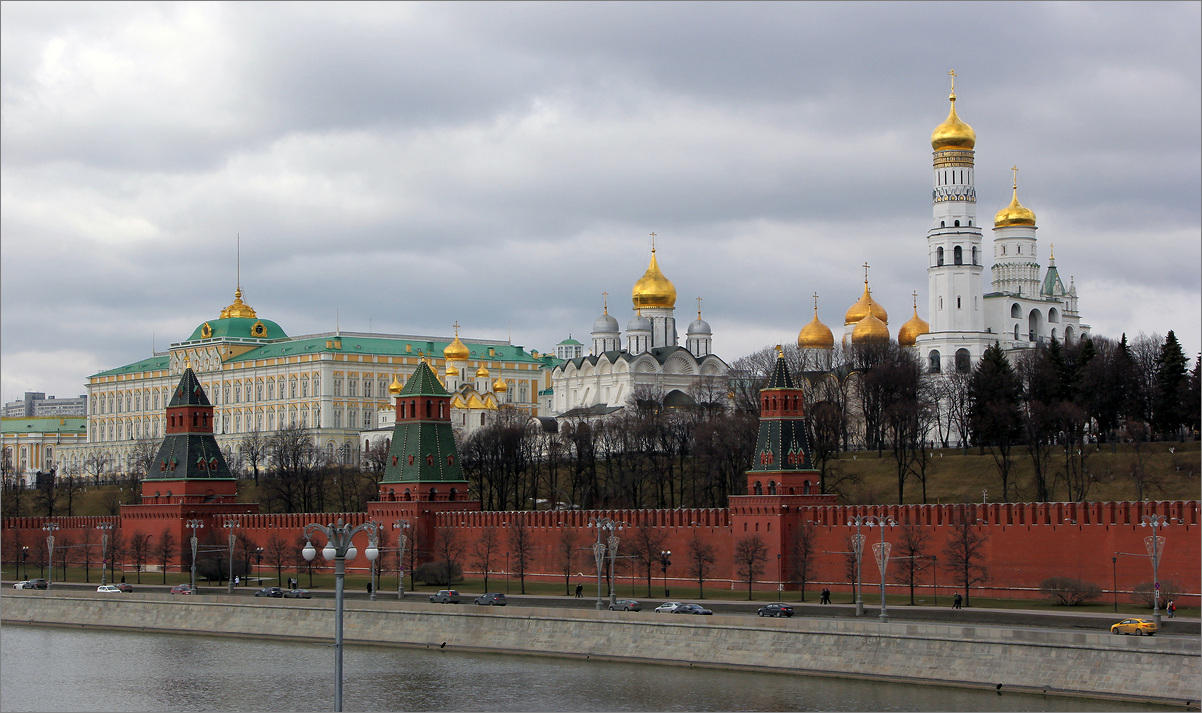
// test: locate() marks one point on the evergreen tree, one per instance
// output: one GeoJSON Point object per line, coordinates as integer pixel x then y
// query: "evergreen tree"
{"type": "Point", "coordinates": [1193, 396]}
{"type": "Point", "coordinates": [994, 396]}
{"type": "Point", "coordinates": [1170, 413]}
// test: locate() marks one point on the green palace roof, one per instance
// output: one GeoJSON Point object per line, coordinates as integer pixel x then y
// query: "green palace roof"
{"type": "Point", "coordinates": [238, 328]}
{"type": "Point", "coordinates": [75, 425]}
{"type": "Point", "coordinates": [154, 363]}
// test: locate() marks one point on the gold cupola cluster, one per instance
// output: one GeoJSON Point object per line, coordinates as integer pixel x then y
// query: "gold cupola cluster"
{"type": "Point", "coordinates": [908, 335]}
{"type": "Point", "coordinates": [1015, 213]}
{"type": "Point", "coordinates": [653, 290]}
{"type": "Point", "coordinates": [815, 335]}
{"type": "Point", "coordinates": [238, 309]}
{"type": "Point", "coordinates": [953, 133]}
{"type": "Point", "coordinates": [869, 317]}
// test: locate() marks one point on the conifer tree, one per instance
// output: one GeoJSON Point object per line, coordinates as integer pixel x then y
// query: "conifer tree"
{"type": "Point", "coordinates": [1171, 385]}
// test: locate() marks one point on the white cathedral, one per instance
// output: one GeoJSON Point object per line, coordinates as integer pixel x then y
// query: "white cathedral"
{"type": "Point", "coordinates": [1020, 311]}
{"type": "Point", "coordinates": [652, 364]}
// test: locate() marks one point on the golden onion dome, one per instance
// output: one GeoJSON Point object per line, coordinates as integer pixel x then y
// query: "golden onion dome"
{"type": "Point", "coordinates": [482, 371]}
{"type": "Point", "coordinates": [238, 309]}
{"type": "Point", "coordinates": [499, 386]}
{"type": "Point", "coordinates": [815, 335]}
{"type": "Point", "coordinates": [395, 387]}
{"type": "Point", "coordinates": [865, 306]}
{"type": "Point", "coordinates": [456, 350]}
{"type": "Point", "coordinates": [1014, 214]}
{"type": "Point", "coordinates": [953, 133]}
{"type": "Point", "coordinates": [653, 289]}
{"type": "Point", "coordinates": [907, 336]}
{"type": "Point", "coordinates": [870, 330]}
{"type": "Point", "coordinates": [452, 371]}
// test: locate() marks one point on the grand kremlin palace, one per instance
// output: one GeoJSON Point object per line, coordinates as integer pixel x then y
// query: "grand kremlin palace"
{"type": "Point", "coordinates": [259, 378]}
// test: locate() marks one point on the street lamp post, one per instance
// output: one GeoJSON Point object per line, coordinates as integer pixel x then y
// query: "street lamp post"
{"type": "Point", "coordinates": [1155, 543]}
{"type": "Point", "coordinates": [605, 523]}
{"type": "Point", "coordinates": [259, 564]}
{"type": "Point", "coordinates": [104, 528]}
{"type": "Point", "coordinates": [400, 526]}
{"type": "Point", "coordinates": [613, 555]}
{"type": "Point", "coordinates": [231, 525]}
{"type": "Point", "coordinates": [935, 578]}
{"type": "Point", "coordinates": [339, 548]}
{"type": "Point", "coordinates": [50, 527]}
{"type": "Point", "coordinates": [373, 543]}
{"type": "Point", "coordinates": [857, 546]}
{"type": "Point", "coordinates": [1114, 581]}
{"type": "Point", "coordinates": [665, 561]}
{"type": "Point", "coordinates": [882, 554]}
{"type": "Point", "coordinates": [195, 524]}
{"type": "Point", "coordinates": [507, 572]}
{"type": "Point", "coordinates": [25, 561]}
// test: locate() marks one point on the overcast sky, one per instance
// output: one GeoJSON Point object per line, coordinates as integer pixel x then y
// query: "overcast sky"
{"type": "Point", "coordinates": [400, 167]}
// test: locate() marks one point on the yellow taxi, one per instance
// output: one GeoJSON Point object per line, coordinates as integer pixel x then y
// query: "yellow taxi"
{"type": "Point", "coordinates": [1135, 625]}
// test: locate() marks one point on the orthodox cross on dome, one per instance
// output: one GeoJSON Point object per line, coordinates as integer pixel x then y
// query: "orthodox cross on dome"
{"type": "Point", "coordinates": [698, 308]}
{"type": "Point", "coordinates": [865, 266]}
{"type": "Point", "coordinates": [653, 242]}
{"type": "Point", "coordinates": [1015, 170]}
{"type": "Point", "coordinates": [456, 326]}
{"type": "Point", "coordinates": [915, 293]}
{"type": "Point", "coordinates": [815, 304]}
{"type": "Point", "coordinates": [605, 301]}
{"type": "Point", "coordinates": [952, 74]}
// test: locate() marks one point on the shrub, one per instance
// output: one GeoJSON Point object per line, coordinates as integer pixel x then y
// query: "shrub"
{"type": "Point", "coordinates": [1069, 591]}
{"type": "Point", "coordinates": [435, 573]}
{"type": "Point", "coordinates": [1169, 589]}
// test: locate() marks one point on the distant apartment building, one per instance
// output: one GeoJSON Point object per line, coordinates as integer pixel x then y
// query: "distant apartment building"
{"type": "Point", "coordinates": [36, 404]}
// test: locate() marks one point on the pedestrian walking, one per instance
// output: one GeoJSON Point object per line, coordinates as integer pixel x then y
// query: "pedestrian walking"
{"type": "Point", "coordinates": [956, 601]}
{"type": "Point", "coordinates": [579, 591]}
{"type": "Point", "coordinates": [1171, 608]}
{"type": "Point", "coordinates": [826, 596]}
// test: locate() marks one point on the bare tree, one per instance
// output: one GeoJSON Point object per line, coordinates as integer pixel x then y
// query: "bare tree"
{"type": "Point", "coordinates": [278, 554]}
{"type": "Point", "coordinates": [255, 450]}
{"type": "Point", "coordinates": [701, 561]}
{"type": "Point", "coordinates": [295, 481]}
{"type": "Point", "coordinates": [448, 550]}
{"type": "Point", "coordinates": [96, 463]}
{"type": "Point", "coordinates": [521, 546]}
{"type": "Point", "coordinates": [646, 542]}
{"type": "Point", "coordinates": [803, 542]}
{"type": "Point", "coordinates": [750, 554]}
{"type": "Point", "coordinates": [965, 552]}
{"type": "Point", "coordinates": [140, 551]}
{"type": "Point", "coordinates": [64, 549]}
{"type": "Point", "coordinates": [911, 556]}
{"type": "Point", "coordinates": [568, 537]}
{"type": "Point", "coordinates": [87, 542]}
{"type": "Point", "coordinates": [484, 551]}
{"type": "Point", "coordinates": [164, 549]}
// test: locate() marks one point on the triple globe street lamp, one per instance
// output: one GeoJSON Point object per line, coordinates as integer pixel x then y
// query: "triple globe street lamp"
{"type": "Point", "coordinates": [50, 527]}
{"type": "Point", "coordinates": [665, 561]}
{"type": "Point", "coordinates": [339, 548]}
{"type": "Point", "coordinates": [599, 547]}
{"type": "Point", "coordinates": [880, 550]}
{"type": "Point", "coordinates": [195, 524]}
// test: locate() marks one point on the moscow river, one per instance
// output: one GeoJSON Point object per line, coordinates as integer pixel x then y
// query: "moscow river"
{"type": "Point", "coordinates": [53, 669]}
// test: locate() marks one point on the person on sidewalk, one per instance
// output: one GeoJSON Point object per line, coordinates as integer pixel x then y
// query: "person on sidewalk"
{"type": "Point", "coordinates": [579, 591]}
{"type": "Point", "coordinates": [956, 601]}
{"type": "Point", "coordinates": [1171, 609]}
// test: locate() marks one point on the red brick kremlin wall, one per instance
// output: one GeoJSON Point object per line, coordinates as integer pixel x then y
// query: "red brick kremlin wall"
{"type": "Point", "coordinates": [1026, 542]}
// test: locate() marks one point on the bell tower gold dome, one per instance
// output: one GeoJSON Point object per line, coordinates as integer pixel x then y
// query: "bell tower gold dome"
{"type": "Point", "coordinates": [908, 335]}
{"type": "Point", "coordinates": [653, 290]}
{"type": "Point", "coordinates": [1014, 214]}
{"type": "Point", "coordinates": [953, 133]}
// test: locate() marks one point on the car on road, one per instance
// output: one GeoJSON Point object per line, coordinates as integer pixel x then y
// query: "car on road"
{"type": "Point", "coordinates": [1135, 625]}
{"type": "Point", "coordinates": [491, 599]}
{"type": "Point", "coordinates": [691, 609]}
{"type": "Point", "coordinates": [270, 592]}
{"type": "Point", "coordinates": [20, 585]}
{"type": "Point", "coordinates": [31, 584]}
{"type": "Point", "coordinates": [183, 589]}
{"type": "Point", "coordinates": [626, 605]}
{"type": "Point", "coordinates": [445, 596]}
{"type": "Point", "coordinates": [668, 607]}
{"type": "Point", "coordinates": [777, 609]}
{"type": "Point", "coordinates": [108, 589]}
{"type": "Point", "coordinates": [124, 587]}
{"type": "Point", "coordinates": [298, 594]}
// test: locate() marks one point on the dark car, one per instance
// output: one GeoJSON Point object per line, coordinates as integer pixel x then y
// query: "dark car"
{"type": "Point", "coordinates": [626, 605]}
{"type": "Point", "coordinates": [777, 609]}
{"type": "Point", "coordinates": [691, 609]}
{"type": "Point", "coordinates": [445, 596]}
{"type": "Point", "coordinates": [36, 584]}
{"type": "Point", "coordinates": [270, 592]}
{"type": "Point", "coordinates": [298, 594]}
{"type": "Point", "coordinates": [183, 589]}
{"type": "Point", "coordinates": [122, 586]}
{"type": "Point", "coordinates": [492, 599]}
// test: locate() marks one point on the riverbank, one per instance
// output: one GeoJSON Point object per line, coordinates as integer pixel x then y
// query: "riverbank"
{"type": "Point", "coordinates": [1168, 670]}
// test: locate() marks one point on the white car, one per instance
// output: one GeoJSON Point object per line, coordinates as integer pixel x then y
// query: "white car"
{"type": "Point", "coordinates": [107, 588]}
{"type": "Point", "coordinates": [667, 607]}
{"type": "Point", "coordinates": [19, 585]}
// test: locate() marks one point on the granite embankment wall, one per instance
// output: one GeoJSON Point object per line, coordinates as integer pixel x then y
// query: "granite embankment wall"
{"type": "Point", "coordinates": [1084, 664]}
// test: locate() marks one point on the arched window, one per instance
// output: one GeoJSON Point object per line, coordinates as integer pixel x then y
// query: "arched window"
{"type": "Point", "coordinates": [772, 487]}
{"type": "Point", "coordinates": [805, 488]}
{"type": "Point", "coordinates": [934, 363]}
{"type": "Point", "coordinates": [939, 260]}
{"type": "Point", "coordinates": [1016, 312]}
{"type": "Point", "coordinates": [958, 255]}
{"type": "Point", "coordinates": [943, 224]}
{"type": "Point", "coordinates": [1053, 315]}
{"type": "Point", "coordinates": [1034, 325]}
{"type": "Point", "coordinates": [1016, 331]}
{"type": "Point", "coordinates": [974, 254]}
{"type": "Point", "coordinates": [963, 361]}
{"type": "Point", "coordinates": [957, 224]}
{"type": "Point", "coordinates": [759, 489]}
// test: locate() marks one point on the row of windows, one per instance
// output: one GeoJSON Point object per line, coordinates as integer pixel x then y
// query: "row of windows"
{"type": "Point", "coordinates": [957, 255]}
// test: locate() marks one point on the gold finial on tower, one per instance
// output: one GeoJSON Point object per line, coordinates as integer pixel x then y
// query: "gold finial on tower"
{"type": "Point", "coordinates": [698, 308]}
{"type": "Point", "coordinates": [780, 353]}
{"type": "Point", "coordinates": [1015, 170]}
{"type": "Point", "coordinates": [1052, 252]}
{"type": "Point", "coordinates": [653, 242]}
{"type": "Point", "coordinates": [952, 74]}
{"type": "Point", "coordinates": [915, 293]}
{"type": "Point", "coordinates": [605, 301]}
{"type": "Point", "coordinates": [865, 266]}
{"type": "Point", "coordinates": [815, 304]}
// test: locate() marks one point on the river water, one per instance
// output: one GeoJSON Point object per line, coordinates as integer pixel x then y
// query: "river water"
{"type": "Point", "coordinates": [58, 669]}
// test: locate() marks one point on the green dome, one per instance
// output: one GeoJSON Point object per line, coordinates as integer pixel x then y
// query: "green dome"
{"type": "Point", "coordinates": [249, 328]}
